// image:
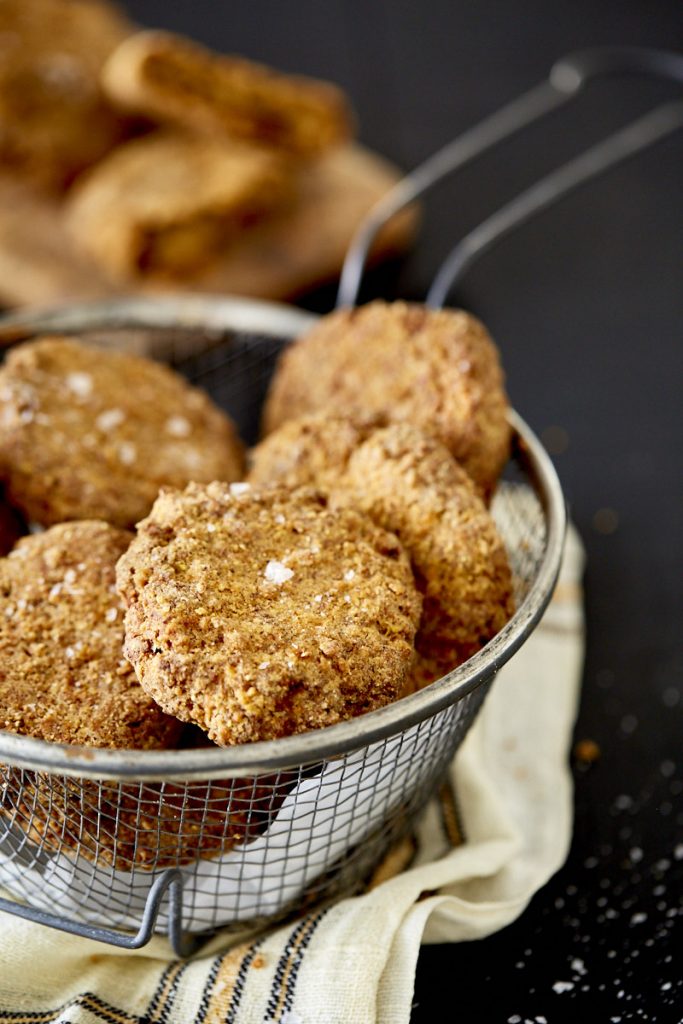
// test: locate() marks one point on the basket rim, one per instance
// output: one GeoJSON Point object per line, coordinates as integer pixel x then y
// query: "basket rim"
{"type": "Point", "coordinates": [331, 741]}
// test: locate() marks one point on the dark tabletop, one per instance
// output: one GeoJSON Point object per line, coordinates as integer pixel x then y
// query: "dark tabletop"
{"type": "Point", "coordinates": [586, 304]}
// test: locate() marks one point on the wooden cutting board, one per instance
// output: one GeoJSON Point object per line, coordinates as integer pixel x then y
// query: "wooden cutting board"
{"type": "Point", "coordinates": [40, 265]}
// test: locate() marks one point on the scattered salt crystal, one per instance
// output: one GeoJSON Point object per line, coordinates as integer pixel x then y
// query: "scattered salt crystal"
{"type": "Point", "coordinates": [666, 985]}
{"type": "Point", "coordinates": [69, 652]}
{"type": "Point", "coordinates": [636, 854]}
{"type": "Point", "coordinates": [70, 576]}
{"type": "Point", "coordinates": [515, 1019]}
{"type": "Point", "coordinates": [678, 851]}
{"type": "Point", "coordinates": [21, 604]}
{"type": "Point", "coordinates": [578, 966]}
{"type": "Point", "coordinates": [239, 488]}
{"type": "Point", "coordinates": [26, 416]}
{"type": "Point", "coordinates": [639, 918]}
{"type": "Point", "coordinates": [127, 453]}
{"type": "Point", "coordinates": [111, 614]}
{"type": "Point", "coordinates": [276, 572]}
{"type": "Point", "coordinates": [347, 599]}
{"type": "Point", "coordinates": [211, 527]}
{"type": "Point", "coordinates": [264, 664]}
{"type": "Point", "coordinates": [109, 419]}
{"type": "Point", "coordinates": [562, 986]}
{"type": "Point", "coordinates": [80, 383]}
{"type": "Point", "coordinates": [349, 575]}
{"type": "Point", "coordinates": [56, 590]}
{"type": "Point", "coordinates": [178, 426]}
{"type": "Point", "coordinates": [279, 519]}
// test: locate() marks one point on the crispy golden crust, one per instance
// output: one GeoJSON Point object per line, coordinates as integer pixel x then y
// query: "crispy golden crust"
{"type": "Point", "coordinates": [438, 369]}
{"type": "Point", "coordinates": [64, 676]}
{"type": "Point", "coordinates": [312, 451]}
{"type": "Point", "coordinates": [409, 483]}
{"type": "Point", "coordinates": [166, 76]}
{"type": "Point", "coordinates": [55, 120]}
{"type": "Point", "coordinates": [261, 614]}
{"type": "Point", "coordinates": [87, 433]}
{"type": "Point", "coordinates": [167, 205]}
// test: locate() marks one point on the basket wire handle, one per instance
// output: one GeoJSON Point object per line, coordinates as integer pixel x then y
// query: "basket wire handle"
{"type": "Point", "coordinates": [171, 880]}
{"type": "Point", "coordinates": [567, 78]}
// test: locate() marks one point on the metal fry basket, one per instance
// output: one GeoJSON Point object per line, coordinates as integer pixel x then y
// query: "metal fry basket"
{"type": "Point", "coordinates": [116, 845]}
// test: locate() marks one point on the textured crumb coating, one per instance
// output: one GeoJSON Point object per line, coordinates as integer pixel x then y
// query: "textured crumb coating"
{"type": "Point", "coordinates": [169, 77]}
{"type": "Point", "coordinates": [311, 451]}
{"type": "Point", "coordinates": [64, 677]}
{"type": "Point", "coordinates": [409, 483]}
{"type": "Point", "coordinates": [257, 614]}
{"type": "Point", "coordinates": [167, 205]}
{"type": "Point", "coordinates": [93, 434]}
{"type": "Point", "coordinates": [438, 369]}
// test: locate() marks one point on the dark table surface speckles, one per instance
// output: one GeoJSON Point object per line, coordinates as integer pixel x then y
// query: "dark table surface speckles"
{"type": "Point", "coordinates": [586, 304]}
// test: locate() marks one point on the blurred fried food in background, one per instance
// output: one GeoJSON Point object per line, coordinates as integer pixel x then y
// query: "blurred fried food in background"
{"type": "Point", "coordinates": [140, 160]}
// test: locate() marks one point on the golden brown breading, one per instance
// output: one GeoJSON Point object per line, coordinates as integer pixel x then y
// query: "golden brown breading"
{"type": "Point", "coordinates": [312, 451]}
{"type": "Point", "coordinates": [167, 205]}
{"type": "Point", "coordinates": [87, 433]}
{"type": "Point", "coordinates": [64, 677]}
{"type": "Point", "coordinates": [437, 369]}
{"type": "Point", "coordinates": [409, 483]}
{"type": "Point", "coordinates": [54, 119]}
{"type": "Point", "coordinates": [171, 78]}
{"type": "Point", "coordinates": [262, 614]}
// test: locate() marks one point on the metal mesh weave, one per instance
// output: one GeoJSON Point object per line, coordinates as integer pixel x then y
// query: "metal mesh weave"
{"type": "Point", "coordinates": [255, 847]}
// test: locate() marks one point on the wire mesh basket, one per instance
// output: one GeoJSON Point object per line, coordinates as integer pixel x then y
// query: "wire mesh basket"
{"type": "Point", "coordinates": [92, 841]}
{"type": "Point", "coordinates": [251, 833]}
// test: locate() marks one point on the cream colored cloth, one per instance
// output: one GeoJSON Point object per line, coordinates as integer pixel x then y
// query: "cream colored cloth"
{"type": "Point", "coordinates": [355, 962]}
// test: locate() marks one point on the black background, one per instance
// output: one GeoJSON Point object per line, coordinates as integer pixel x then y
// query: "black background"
{"type": "Point", "coordinates": [586, 304]}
